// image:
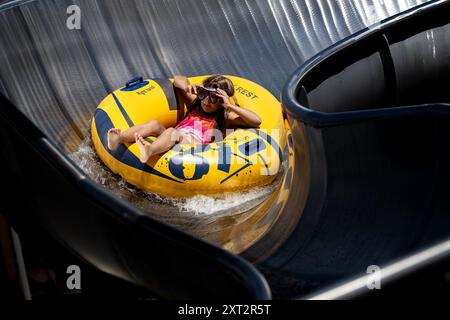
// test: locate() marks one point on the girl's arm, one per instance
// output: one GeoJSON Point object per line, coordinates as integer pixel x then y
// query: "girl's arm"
{"type": "Point", "coordinates": [242, 117]}
{"type": "Point", "coordinates": [188, 90]}
{"type": "Point", "coordinates": [239, 116]}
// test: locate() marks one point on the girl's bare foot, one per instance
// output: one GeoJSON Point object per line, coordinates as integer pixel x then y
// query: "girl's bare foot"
{"type": "Point", "coordinates": [145, 149]}
{"type": "Point", "coordinates": [114, 139]}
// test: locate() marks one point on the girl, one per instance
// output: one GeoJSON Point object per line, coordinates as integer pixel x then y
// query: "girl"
{"type": "Point", "coordinates": [210, 109]}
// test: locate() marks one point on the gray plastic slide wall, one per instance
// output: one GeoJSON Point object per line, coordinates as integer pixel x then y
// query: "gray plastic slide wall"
{"type": "Point", "coordinates": [56, 76]}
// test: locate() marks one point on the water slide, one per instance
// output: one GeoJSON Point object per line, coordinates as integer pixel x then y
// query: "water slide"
{"type": "Point", "coordinates": [366, 187]}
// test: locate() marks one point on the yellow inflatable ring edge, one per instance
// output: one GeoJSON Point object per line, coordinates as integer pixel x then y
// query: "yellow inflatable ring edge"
{"type": "Point", "coordinates": [255, 155]}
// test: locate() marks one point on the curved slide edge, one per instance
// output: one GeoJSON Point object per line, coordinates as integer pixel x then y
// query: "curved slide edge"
{"type": "Point", "coordinates": [117, 238]}
{"type": "Point", "coordinates": [374, 157]}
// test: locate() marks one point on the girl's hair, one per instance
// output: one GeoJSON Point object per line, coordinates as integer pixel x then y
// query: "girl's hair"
{"type": "Point", "coordinates": [220, 82]}
{"type": "Point", "coordinates": [217, 82]}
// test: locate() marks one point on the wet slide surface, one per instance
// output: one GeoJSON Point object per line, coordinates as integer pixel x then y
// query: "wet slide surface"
{"type": "Point", "coordinates": [57, 76]}
{"type": "Point", "coordinates": [60, 75]}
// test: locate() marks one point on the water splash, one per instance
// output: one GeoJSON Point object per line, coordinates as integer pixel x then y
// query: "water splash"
{"type": "Point", "coordinates": [197, 214]}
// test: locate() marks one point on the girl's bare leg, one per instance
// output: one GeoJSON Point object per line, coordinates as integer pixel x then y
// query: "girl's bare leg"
{"type": "Point", "coordinates": [162, 144]}
{"type": "Point", "coordinates": [116, 137]}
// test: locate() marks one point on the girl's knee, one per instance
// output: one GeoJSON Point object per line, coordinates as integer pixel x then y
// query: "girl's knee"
{"type": "Point", "coordinates": [155, 126]}
{"type": "Point", "coordinates": [173, 133]}
{"type": "Point", "coordinates": [153, 123]}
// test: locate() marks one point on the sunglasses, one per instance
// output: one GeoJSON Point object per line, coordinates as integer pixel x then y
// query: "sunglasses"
{"type": "Point", "coordinates": [203, 93]}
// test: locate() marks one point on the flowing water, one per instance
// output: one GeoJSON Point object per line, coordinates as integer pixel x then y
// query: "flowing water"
{"type": "Point", "coordinates": [199, 214]}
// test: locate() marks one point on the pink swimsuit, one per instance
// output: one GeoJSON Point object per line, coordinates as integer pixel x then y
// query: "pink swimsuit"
{"type": "Point", "coordinates": [200, 128]}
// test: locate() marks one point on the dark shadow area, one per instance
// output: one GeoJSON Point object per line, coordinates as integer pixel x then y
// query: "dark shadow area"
{"type": "Point", "coordinates": [379, 177]}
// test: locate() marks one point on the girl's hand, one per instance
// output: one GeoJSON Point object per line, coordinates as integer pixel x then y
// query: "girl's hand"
{"type": "Point", "coordinates": [225, 99]}
{"type": "Point", "coordinates": [187, 90]}
{"type": "Point", "coordinates": [182, 83]}
{"type": "Point", "coordinates": [191, 88]}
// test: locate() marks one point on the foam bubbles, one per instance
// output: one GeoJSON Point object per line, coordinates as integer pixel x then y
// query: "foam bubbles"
{"type": "Point", "coordinates": [178, 211]}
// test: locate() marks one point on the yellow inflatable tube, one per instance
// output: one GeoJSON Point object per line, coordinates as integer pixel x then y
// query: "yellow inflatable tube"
{"type": "Point", "coordinates": [246, 158]}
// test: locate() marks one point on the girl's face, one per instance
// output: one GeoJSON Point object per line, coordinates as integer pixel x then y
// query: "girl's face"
{"type": "Point", "coordinates": [209, 107]}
